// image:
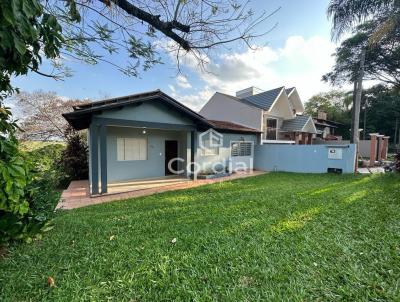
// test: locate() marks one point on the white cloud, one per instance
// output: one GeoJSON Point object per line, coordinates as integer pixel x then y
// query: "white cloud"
{"type": "Point", "coordinates": [300, 62]}
{"type": "Point", "coordinates": [182, 82]}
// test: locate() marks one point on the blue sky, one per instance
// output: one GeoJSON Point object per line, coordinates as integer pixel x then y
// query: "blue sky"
{"type": "Point", "coordinates": [296, 53]}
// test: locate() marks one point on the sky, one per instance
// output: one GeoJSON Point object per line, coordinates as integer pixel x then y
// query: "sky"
{"type": "Point", "coordinates": [296, 53]}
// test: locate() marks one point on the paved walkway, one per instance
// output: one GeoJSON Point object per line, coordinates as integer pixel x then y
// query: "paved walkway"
{"type": "Point", "coordinates": [77, 194]}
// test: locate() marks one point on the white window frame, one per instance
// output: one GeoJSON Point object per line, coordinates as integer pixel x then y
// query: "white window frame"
{"type": "Point", "coordinates": [266, 128]}
{"type": "Point", "coordinates": [239, 142]}
{"type": "Point", "coordinates": [140, 157]}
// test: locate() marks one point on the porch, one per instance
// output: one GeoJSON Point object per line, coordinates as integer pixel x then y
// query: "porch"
{"type": "Point", "coordinates": [78, 195]}
{"type": "Point", "coordinates": [126, 154]}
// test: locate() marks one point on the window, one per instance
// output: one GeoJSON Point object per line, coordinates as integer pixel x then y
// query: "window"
{"type": "Point", "coordinates": [131, 149]}
{"type": "Point", "coordinates": [241, 148]}
{"type": "Point", "coordinates": [208, 150]}
{"type": "Point", "coordinates": [270, 130]}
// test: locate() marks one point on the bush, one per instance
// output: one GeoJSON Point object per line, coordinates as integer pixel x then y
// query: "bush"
{"type": "Point", "coordinates": [17, 221]}
{"type": "Point", "coordinates": [74, 159]}
{"type": "Point", "coordinates": [47, 181]}
{"type": "Point", "coordinates": [397, 162]}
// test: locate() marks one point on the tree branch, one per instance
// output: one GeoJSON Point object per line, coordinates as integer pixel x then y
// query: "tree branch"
{"type": "Point", "coordinates": [154, 20]}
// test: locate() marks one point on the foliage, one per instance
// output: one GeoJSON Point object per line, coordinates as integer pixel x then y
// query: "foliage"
{"type": "Point", "coordinates": [17, 221]}
{"type": "Point", "coordinates": [347, 14]}
{"type": "Point", "coordinates": [74, 159]}
{"type": "Point", "coordinates": [103, 31]}
{"type": "Point", "coordinates": [397, 162]}
{"type": "Point", "coordinates": [27, 33]}
{"type": "Point", "coordinates": [383, 107]}
{"type": "Point", "coordinates": [47, 180]}
{"type": "Point", "coordinates": [41, 115]}
{"type": "Point", "coordinates": [336, 104]}
{"type": "Point", "coordinates": [381, 61]}
{"type": "Point", "coordinates": [274, 237]}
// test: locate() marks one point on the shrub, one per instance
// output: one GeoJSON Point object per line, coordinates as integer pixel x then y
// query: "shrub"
{"type": "Point", "coordinates": [397, 162]}
{"type": "Point", "coordinates": [47, 181]}
{"type": "Point", "coordinates": [17, 222]}
{"type": "Point", "coordinates": [74, 159]}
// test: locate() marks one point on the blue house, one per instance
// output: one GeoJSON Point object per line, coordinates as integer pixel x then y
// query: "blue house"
{"type": "Point", "coordinates": [151, 135]}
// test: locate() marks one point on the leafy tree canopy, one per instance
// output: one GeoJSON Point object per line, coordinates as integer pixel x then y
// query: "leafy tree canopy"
{"type": "Point", "coordinates": [41, 115]}
{"type": "Point", "coordinates": [382, 60]}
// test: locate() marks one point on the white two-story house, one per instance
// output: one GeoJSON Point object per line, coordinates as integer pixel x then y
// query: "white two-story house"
{"type": "Point", "coordinates": [278, 113]}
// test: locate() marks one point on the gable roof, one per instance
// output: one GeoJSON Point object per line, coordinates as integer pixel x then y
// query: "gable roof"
{"type": "Point", "coordinates": [265, 99]}
{"type": "Point", "coordinates": [81, 116]}
{"type": "Point", "coordinates": [229, 126]}
{"type": "Point", "coordinates": [290, 90]}
{"type": "Point", "coordinates": [296, 124]}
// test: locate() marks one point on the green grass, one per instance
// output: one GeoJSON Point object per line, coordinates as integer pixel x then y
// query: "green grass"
{"type": "Point", "coordinates": [279, 236]}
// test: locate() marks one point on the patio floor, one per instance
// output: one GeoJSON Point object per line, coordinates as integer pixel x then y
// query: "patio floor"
{"type": "Point", "coordinates": [77, 194]}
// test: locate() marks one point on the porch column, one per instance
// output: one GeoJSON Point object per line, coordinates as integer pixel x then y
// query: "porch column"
{"type": "Point", "coordinates": [188, 154]}
{"type": "Point", "coordinates": [380, 148]}
{"type": "Point", "coordinates": [385, 147]}
{"type": "Point", "coordinates": [193, 152]}
{"type": "Point", "coordinates": [310, 138]}
{"type": "Point", "coordinates": [297, 138]}
{"type": "Point", "coordinates": [94, 158]}
{"type": "Point", "coordinates": [304, 138]}
{"type": "Point", "coordinates": [103, 158]}
{"type": "Point", "coordinates": [372, 150]}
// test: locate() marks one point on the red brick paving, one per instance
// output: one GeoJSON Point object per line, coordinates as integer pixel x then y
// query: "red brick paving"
{"type": "Point", "coordinates": [77, 194]}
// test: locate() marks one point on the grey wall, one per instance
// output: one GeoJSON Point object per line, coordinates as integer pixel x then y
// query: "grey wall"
{"type": "Point", "coordinates": [155, 163]}
{"type": "Point", "coordinates": [224, 108]}
{"type": "Point", "coordinates": [364, 146]}
{"type": "Point", "coordinates": [149, 112]}
{"type": "Point", "coordinates": [302, 158]}
{"type": "Point", "coordinates": [207, 161]}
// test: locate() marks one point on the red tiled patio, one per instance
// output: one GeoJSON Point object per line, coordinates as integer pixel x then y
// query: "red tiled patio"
{"type": "Point", "coordinates": [77, 195]}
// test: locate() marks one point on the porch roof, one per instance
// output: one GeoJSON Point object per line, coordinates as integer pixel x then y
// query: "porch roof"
{"type": "Point", "coordinates": [81, 116]}
{"type": "Point", "coordinates": [297, 124]}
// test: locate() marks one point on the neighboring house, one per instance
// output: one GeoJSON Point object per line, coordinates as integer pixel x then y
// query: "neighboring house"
{"type": "Point", "coordinates": [325, 128]}
{"type": "Point", "coordinates": [277, 113]}
{"type": "Point", "coordinates": [136, 136]}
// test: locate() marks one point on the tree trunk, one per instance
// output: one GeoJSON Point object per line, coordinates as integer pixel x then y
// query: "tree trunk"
{"type": "Point", "coordinates": [357, 93]}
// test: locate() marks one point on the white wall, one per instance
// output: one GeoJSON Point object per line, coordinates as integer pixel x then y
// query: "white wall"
{"type": "Point", "coordinates": [281, 108]}
{"type": "Point", "coordinates": [224, 108]}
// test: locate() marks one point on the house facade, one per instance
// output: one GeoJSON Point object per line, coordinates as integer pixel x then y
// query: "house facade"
{"type": "Point", "coordinates": [150, 135]}
{"type": "Point", "coordinates": [326, 128]}
{"type": "Point", "coordinates": [277, 113]}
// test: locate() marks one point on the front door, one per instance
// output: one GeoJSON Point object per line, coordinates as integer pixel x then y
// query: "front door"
{"type": "Point", "coordinates": [171, 152]}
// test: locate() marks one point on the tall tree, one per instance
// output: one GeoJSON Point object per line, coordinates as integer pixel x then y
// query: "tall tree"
{"type": "Point", "coordinates": [41, 115]}
{"type": "Point", "coordinates": [382, 61]}
{"type": "Point", "coordinates": [101, 30]}
{"type": "Point", "coordinates": [345, 15]}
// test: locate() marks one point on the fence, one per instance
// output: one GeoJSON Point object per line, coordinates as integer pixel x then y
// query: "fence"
{"type": "Point", "coordinates": [364, 147]}
{"type": "Point", "coordinates": [305, 158]}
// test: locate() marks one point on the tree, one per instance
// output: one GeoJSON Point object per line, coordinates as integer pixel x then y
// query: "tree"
{"type": "Point", "coordinates": [382, 61]}
{"type": "Point", "coordinates": [346, 14]}
{"type": "Point", "coordinates": [383, 108]}
{"type": "Point", "coordinates": [336, 104]}
{"type": "Point", "coordinates": [41, 117]}
{"type": "Point", "coordinates": [100, 30]}
{"type": "Point", "coordinates": [74, 159]}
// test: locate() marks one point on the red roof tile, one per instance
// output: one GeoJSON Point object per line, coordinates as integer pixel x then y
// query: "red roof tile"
{"type": "Point", "coordinates": [224, 125]}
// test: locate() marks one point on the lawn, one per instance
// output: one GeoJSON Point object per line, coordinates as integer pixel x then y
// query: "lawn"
{"type": "Point", "coordinates": [278, 236]}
